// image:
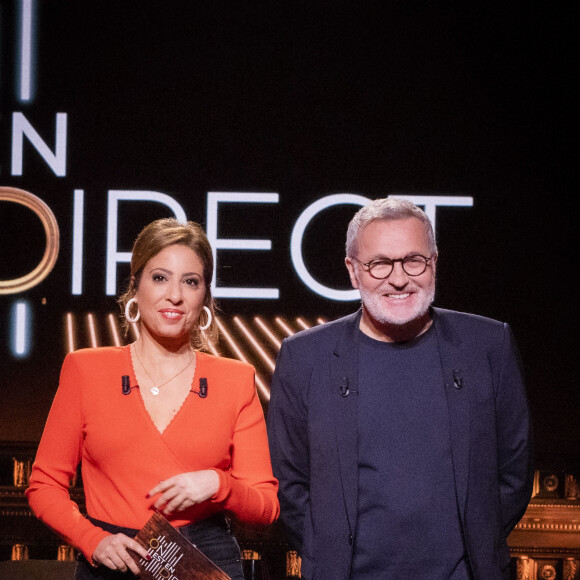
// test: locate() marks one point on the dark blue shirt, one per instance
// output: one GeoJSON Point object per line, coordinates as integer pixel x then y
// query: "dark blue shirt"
{"type": "Point", "coordinates": [408, 525]}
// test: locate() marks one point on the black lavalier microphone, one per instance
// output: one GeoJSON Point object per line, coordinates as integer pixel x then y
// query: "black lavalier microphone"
{"type": "Point", "coordinates": [344, 390]}
{"type": "Point", "coordinates": [126, 387]}
{"type": "Point", "coordinates": [457, 379]}
{"type": "Point", "coordinates": [202, 388]}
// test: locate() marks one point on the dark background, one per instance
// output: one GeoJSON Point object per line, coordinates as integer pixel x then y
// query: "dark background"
{"type": "Point", "coordinates": [306, 100]}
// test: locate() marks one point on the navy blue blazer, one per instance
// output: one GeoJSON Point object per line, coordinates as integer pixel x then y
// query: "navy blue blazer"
{"type": "Point", "coordinates": [312, 428]}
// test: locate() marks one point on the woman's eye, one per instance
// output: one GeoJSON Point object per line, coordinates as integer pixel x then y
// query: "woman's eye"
{"type": "Point", "coordinates": [192, 282]}
{"type": "Point", "coordinates": [158, 278]}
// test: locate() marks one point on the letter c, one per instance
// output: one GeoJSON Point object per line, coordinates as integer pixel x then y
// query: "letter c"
{"type": "Point", "coordinates": [296, 244]}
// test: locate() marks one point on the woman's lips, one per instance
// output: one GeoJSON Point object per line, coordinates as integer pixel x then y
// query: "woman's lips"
{"type": "Point", "coordinates": [171, 314]}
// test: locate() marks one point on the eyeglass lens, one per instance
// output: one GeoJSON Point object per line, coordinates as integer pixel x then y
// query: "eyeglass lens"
{"type": "Point", "coordinates": [412, 265]}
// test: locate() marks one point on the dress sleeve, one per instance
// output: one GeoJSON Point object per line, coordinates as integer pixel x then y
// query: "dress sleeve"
{"type": "Point", "coordinates": [248, 489]}
{"type": "Point", "coordinates": [57, 459]}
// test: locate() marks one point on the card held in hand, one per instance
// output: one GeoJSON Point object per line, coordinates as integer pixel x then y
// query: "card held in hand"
{"type": "Point", "coordinates": [173, 557]}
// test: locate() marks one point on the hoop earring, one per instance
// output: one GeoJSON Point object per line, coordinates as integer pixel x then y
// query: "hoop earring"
{"type": "Point", "coordinates": [128, 308]}
{"type": "Point", "coordinates": [208, 323]}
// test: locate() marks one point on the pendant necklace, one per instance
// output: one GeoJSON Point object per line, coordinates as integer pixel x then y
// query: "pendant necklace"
{"type": "Point", "coordinates": [155, 388]}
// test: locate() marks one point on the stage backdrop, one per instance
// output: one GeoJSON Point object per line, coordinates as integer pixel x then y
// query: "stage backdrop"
{"type": "Point", "coordinates": [270, 126]}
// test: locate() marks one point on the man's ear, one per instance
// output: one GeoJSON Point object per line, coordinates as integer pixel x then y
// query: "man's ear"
{"type": "Point", "coordinates": [351, 272]}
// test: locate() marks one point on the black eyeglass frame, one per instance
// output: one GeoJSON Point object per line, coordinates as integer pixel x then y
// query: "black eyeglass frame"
{"type": "Point", "coordinates": [369, 265]}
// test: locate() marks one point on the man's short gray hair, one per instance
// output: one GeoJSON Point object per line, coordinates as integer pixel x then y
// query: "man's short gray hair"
{"type": "Point", "coordinates": [389, 208]}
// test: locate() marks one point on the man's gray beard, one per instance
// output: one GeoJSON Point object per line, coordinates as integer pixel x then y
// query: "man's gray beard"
{"type": "Point", "coordinates": [372, 304]}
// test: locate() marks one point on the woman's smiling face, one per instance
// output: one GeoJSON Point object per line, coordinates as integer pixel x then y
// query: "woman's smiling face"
{"type": "Point", "coordinates": [171, 293]}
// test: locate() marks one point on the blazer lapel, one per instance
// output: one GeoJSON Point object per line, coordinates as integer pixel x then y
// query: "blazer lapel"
{"type": "Point", "coordinates": [452, 363]}
{"type": "Point", "coordinates": [343, 400]}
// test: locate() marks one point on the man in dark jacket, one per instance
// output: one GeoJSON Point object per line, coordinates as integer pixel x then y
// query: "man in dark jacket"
{"type": "Point", "coordinates": [400, 434]}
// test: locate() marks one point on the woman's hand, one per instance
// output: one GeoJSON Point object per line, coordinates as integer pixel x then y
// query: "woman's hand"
{"type": "Point", "coordinates": [112, 553]}
{"type": "Point", "coordinates": [184, 490]}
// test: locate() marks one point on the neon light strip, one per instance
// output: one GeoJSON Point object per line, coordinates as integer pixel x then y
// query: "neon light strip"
{"type": "Point", "coordinates": [267, 359]}
{"type": "Point", "coordinates": [77, 249]}
{"type": "Point", "coordinates": [26, 50]}
{"type": "Point", "coordinates": [231, 341]}
{"type": "Point", "coordinates": [262, 387]}
{"type": "Point", "coordinates": [284, 326]}
{"type": "Point", "coordinates": [213, 349]}
{"type": "Point", "coordinates": [70, 332]}
{"type": "Point", "coordinates": [302, 323]}
{"type": "Point", "coordinates": [92, 330]}
{"type": "Point", "coordinates": [277, 343]}
{"type": "Point", "coordinates": [114, 331]}
{"type": "Point", "coordinates": [20, 329]}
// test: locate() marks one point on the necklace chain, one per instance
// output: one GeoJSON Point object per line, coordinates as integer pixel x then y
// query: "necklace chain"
{"type": "Point", "coordinates": [155, 388]}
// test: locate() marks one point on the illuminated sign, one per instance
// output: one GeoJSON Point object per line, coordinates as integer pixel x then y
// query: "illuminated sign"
{"type": "Point", "coordinates": [114, 256]}
{"type": "Point", "coordinates": [11, 194]}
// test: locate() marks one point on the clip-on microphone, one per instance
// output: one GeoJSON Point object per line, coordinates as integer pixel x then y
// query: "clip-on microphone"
{"type": "Point", "coordinates": [202, 388]}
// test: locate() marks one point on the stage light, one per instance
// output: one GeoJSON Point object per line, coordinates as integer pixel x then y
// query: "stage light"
{"type": "Point", "coordinates": [21, 329]}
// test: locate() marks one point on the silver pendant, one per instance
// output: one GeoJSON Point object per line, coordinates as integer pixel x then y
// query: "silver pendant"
{"type": "Point", "coordinates": [155, 391]}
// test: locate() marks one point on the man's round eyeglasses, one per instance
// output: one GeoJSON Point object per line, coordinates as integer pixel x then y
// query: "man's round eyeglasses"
{"type": "Point", "coordinates": [413, 265]}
